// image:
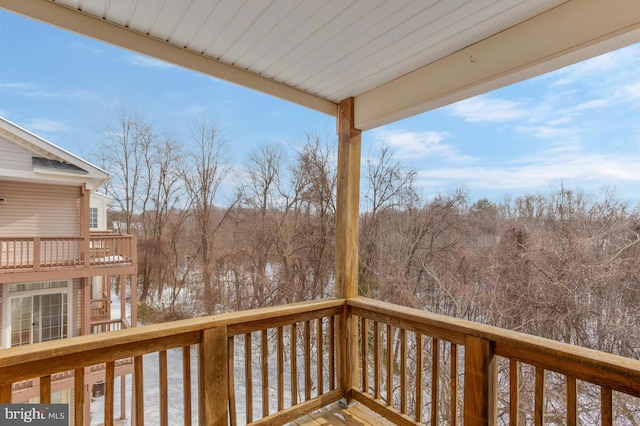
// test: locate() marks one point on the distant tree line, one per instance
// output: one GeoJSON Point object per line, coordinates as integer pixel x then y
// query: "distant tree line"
{"type": "Point", "coordinates": [215, 238]}
{"type": "Point", "coordinates": [212, 238]}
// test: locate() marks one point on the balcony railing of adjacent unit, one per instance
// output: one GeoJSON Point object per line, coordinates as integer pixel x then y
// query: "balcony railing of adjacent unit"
{"type": "Point", "coordinates": [102, 326]}
{"type": "Point", "coordinates": [40, 253]}
{"type": "Point", "coordinates": [414, 368]}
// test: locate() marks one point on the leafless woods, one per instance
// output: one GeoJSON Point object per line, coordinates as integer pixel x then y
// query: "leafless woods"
{"type": "Point", "coordinates": [216, 238]}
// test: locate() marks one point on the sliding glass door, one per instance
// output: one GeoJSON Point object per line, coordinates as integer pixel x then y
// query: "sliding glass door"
{"type": "Point", "coordinates": [38, 318]}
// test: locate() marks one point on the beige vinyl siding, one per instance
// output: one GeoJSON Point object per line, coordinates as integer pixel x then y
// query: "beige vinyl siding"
{"type": "Point", "coordinates": [39, 210]}
{"type": "Point", "coordinates": [15, 157]}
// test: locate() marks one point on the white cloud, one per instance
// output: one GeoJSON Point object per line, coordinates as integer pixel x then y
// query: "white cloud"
{"type": "Point", "coordinates": [86, 47]}
{"type": "Point", "coordinates": [539, 172]}
{"type": "Point", "coordinates": [486, 109]}
{"type": "Point", "coordinates": [547, 131]}
{"type": "Point", "coordinates": [593, 104]}
{"type": "Point", "coordinates": [16, 86]}
{"type": "Point", "coordinates": [416, 145]}
{"type": "Point", "coordinates": [62, 93]}
{"type": "Point", "coordinates": [196, 109]}
{"type": "Point", "coordinates": [45, 125]}
{"type": "Point", "coordinates": [608, 65]}
{"type": "Point", "coordinates": [34, 91]}
{"type": "Point", "coordinates": [147, 62]}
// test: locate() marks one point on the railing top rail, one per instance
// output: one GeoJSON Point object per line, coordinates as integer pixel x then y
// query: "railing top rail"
{"type": "Point", "coordinates": [595, 366]}
{"type": "Point", "coordinates": [82, 351]}
{"type": "Point", "coordinates": [99, 234]}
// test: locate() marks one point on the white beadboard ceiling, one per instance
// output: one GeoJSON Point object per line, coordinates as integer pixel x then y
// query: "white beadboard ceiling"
{"type": "Point", "coordinates": [330, 48]}
{"type": "Point", "coordinates": [319, 52]}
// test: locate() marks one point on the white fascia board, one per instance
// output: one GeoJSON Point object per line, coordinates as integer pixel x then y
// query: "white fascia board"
{"type": "Point", "coordinates": [569, 33]}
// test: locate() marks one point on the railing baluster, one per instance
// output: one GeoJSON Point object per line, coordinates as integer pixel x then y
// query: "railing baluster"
{"type": "Point", "coordinates": [419, 356]}
{"type": "Point", "coordinates": [454, 385]}
{"type": "Point", "coordinates": [248, 376]}
{"type": "Point", "coordinates": [78, 396]}
{"type": "Point", "coordinates": [138, 392]}
{"type": "Point", "coordinates": [45, 389]}
{"type": "Point", "coordinates": [332, 353]}
{"type": "Point", "coordinates": [109, 377]}
{"type": "Point", "coordinates": [232, 380]}
{"type": "Point", "coordinates": [186, 384]}
{"type": "Point", "coordinates": [376, 360]}
{"type": "Point", "coordinates": [606, 406]}
{"type": "Point", "coordinates": [307, 360]}
{"type": "Point", "coordinates": [264, 358]}
{"type": "Point", "coordinates": [539, 398]}
{"type": "Point", "coordinates": [5, 393]}
{"type": "Point", "coordinates": [37, 262]}
{"type": "Point", "coordinates": [403, 371]}
{"type": "Point", "coordinates": [572, 401]}
{"type": "Point", "coordinates": [294, 363]}
{"type": "Point", "coordinates": [164, 399]}
{"type": "Point", "coordinates": [364, 323]}
{"type": "Point", "coordinates": [435, 367]}
{"type": "Point", "coordinates": [389, 366]}
{"type": "Point", "coordinates": [320, 356]}
{"type": "Point", "coordinates": [514, 392]}
{"type": "Point", "coordinates": [280, 369]}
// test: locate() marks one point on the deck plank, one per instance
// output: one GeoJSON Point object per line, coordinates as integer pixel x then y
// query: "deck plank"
{"type": "Point", "coordinates": [335, 415]}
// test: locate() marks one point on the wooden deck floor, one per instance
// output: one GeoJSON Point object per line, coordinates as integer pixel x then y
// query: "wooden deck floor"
{"type": "Point", "coordinates": [335, 415]}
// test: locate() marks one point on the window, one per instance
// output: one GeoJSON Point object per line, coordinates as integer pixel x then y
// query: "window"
{"type": "Point", "coordinates": [93, 217]}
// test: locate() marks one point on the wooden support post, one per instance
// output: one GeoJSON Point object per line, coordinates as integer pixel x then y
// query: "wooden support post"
{"type": "Point", "coordinates": [85, 311]}
{"type": "Point", "coordinates": [347, 220]}
{"type": "Point", "coordinates": [85, 205]}
{"type": "Point", "coordinates": [213, 377]}
{"type": "Point", "coordinates": [123, 297]}
{"type": "Point", "coordinates": [480, 382]}
{"type": "Point", "coordinates": [133, 281]}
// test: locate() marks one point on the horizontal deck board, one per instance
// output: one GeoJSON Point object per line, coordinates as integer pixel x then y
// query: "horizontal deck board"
{"type": "Point", "coordinates": [335, 415]}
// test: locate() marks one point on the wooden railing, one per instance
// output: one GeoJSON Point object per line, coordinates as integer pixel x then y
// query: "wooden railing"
{"type": "Point", "coordinates": [39, 253]}
{"type": "Point", "coordinates": [102, 326]}
{"type": "Point", "coordinates": [27, 389]}
{"type": "Point", "coordinates": [273, 365]}
{"type": "Point", "coordinates": [244, 350]}
{"type": "Point", "coordinates": [99, 309]}
{"type": "Point", "coordinates": [422, 368]}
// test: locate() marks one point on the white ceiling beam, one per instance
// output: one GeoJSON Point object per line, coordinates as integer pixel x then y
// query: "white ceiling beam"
{"type": "Point", "coordinates": [82, 23]}
{"type": "Point", "coordinates": [569, 33]}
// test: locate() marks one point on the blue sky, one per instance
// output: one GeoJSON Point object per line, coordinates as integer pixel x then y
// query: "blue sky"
{"type": "Point", "coordinates": [579, 126]}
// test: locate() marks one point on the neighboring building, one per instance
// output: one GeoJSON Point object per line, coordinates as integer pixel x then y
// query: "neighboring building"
{"type": "Point", "coordinates": [58, 262]}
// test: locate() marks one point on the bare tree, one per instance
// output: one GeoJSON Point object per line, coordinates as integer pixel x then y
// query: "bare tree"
{"type": "Point", "coordinates": [127, 140]}
{"type": "Point", "coordinates": [204, 172]}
